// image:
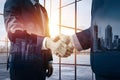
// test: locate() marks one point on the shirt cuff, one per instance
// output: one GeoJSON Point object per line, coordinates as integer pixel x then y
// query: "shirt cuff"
{"type": "Point", "coordinates": [76, 42]}
{"type": "Point", "coordinates": [44, 44]}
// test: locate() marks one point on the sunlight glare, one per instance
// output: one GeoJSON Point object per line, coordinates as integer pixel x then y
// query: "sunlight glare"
{"type": "Point", "coordinates": [54, 30]}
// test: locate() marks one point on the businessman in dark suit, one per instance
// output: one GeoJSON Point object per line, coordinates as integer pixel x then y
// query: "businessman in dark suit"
{"type": "Point", "coordinates": [26, 23]}
{"type": "Point", "coordinates": [103, 39]}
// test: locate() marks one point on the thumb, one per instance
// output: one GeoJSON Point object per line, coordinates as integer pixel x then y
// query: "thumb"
{"type": "Point", "coordinates": [60, 37]}
{"type": "Point", "coordinates": [65, 38]}
{"type": "Point", "coordinates": [55, 39]}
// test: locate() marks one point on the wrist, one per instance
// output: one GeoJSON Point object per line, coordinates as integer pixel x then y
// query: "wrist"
{"type": "Point", "coordinates": [49, 43]}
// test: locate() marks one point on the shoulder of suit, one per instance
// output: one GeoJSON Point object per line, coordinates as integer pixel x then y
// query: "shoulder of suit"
{"type": "Point", "coordinates": [43, 8]}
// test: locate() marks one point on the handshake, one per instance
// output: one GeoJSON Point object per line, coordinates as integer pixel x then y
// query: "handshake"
{"type": "Point", "coordinates": [61, 45]}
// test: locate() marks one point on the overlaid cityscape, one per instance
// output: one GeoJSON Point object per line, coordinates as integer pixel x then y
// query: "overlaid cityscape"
{"type": "Point", "coordinates": [111, 42]}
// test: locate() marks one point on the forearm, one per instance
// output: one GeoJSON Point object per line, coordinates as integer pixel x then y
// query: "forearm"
{"type": "Point", "coordinates": [76, 43]}
{"type": "Point", "coordinates": [82, 40]}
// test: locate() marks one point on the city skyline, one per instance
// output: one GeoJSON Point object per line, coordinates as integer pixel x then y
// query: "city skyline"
{"type": "Point", "coordinates": [111, 41]}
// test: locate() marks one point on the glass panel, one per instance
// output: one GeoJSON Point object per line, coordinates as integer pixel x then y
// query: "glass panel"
{"type": "Point", "coordinates": [84, 73]}
{"type": "Point", "coordinates": [67, 31]}
{"type": "Point", "coordinates": [3, 52]}
{"type": "Point", "coordinates": [41, 2]}
{"type": "Point", "coordinates": [65, 2]}
{"type": "Point", "coordinates": [68, 16]}
{"type": "Point", "coordinates": [2, 5]}
{"type": "Point", "coordinates": [2, 30]}
{"type": "Point", "coordinates": [53, 14]}
{"type": "Point", "coordinates": [84, 14]}
{"type": "Point", "coordinates": [67, 72]}
{"type": "Point", "coordinates": [83, 59]}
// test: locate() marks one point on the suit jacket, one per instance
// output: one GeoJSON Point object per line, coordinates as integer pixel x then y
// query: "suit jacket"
{"type": "Point", "coordinates": [103, 38]}
{"type": "Point", "coordinates": [22, 15]}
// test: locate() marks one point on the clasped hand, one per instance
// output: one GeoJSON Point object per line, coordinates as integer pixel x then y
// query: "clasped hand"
{"type": "Point", "coordinates": [61, 45]}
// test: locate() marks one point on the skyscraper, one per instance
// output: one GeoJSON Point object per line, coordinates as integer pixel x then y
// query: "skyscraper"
{"type": "Point", "coordinates": [108, 37]}
{"type": "Point", "coordinates": [115, 43]}
{"type": "Point", "coordinates": [119, 44]}
{"type": "Point", "coordinates": [96, 37]}
{"type": "Point", "coordinates": [102, 43]}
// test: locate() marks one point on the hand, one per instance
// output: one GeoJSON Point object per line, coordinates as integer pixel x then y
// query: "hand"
{"type": "Point", "coordinates": [58, 47]}
{"type": "Point", "coordinates": [49, 70]}
{"type": "Point", "coordinates": [68, 41]}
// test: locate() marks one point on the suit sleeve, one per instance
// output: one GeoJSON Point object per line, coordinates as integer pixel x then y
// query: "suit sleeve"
{"type": "Point", "coordinates": [82, 40]}
{"type": "Point", "coordinates": [15, 24]}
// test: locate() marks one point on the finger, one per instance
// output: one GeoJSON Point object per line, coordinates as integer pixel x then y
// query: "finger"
{"type": "Point", "coordinates": [70, 50]}
{"type": "Point", "coordinates": [56, 53]}
{"type": "Point", "coordinates": [67, 55]}
{"type": "Point", "coordinates": [70, 46]}
{"type": "Point", "coordinates": [55, 39]}
{"type": "Point", "coordinates": [65, 38]}
{"type": "Point", "coordinates": [62, 48]}
{"type": "Point", "coordinates": [61, 55]}
{"type": "Point", "coordinates": [64, 55]}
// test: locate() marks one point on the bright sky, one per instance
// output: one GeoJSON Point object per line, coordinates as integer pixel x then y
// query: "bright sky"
{"type": "Point", "coordinates": [83, 17]}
